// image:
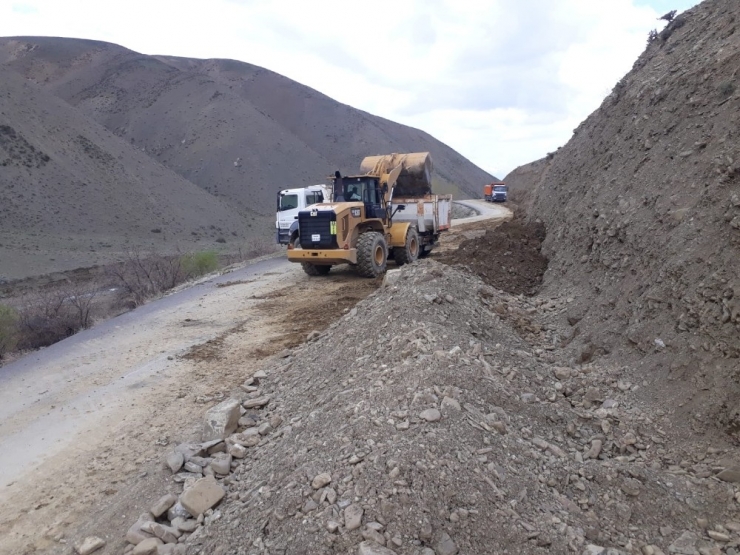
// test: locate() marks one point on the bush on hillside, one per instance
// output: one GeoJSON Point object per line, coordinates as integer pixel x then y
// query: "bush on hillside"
{"type": "Point", "coordinates": [199, 263]}
{"type": "Point", "coordinates": [8, 329]}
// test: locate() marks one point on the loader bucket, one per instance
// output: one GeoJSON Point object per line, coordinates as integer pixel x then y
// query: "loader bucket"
{"type": "Point", "coordinates": [415, 179]}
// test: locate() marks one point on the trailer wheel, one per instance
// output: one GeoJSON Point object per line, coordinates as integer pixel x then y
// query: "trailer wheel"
{"type": "Point", "coordinates": [372, 254]}
{"type": "Point", "coordinates": [410, 251]}
{"type": "Point", "coordinates": [315, 270]}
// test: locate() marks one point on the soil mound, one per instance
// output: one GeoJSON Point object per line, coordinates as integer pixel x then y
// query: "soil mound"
{"type": "Point", "coordinates": [508, 257]}
{"type": "Point", "coordinates": [642, 209]}
{"type": "Point", "coordinates": [422, 420]}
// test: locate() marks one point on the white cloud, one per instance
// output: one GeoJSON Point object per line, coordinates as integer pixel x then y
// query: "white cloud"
{"type": "Point", "coordinates": [501, 81]}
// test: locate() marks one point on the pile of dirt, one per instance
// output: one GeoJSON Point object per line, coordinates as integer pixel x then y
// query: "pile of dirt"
{"type": "Point", "coordinates": [508, 257]}
{"type": "Point", "coordinates": [642, 209]}
{"type": "Point", "coordinates": [422, 422]}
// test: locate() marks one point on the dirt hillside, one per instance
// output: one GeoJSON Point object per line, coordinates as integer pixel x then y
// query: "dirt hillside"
{"type": "Point", "coordinates": [237, 130]}
{"type": "Point", "coordinates": [73, 194]}
{"type": "Point", "coordinates": [642, 209]}
{"type": "Point", "coordinates": [522, 181]}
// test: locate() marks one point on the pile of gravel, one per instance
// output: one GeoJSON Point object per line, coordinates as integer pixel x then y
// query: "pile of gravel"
{"type": "Point", "coordinates": [436, 417]}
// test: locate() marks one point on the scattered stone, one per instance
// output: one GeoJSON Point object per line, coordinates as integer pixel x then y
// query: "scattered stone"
{"type": "Point", "coordinates": [445, 545]}
{"type": "Point", "coordinates": [373, 535]}
{"type": "Point", "coordinates": [161, 506]}
{"type": "Point", "coordinates": [184, 524]}
{"type": "Point", "coordinates": [193, 467]}
{"type": "Point", "coordinates": [685, 544]}
{"type": "Point", "coordinates": [204, 494]}
{"type": "Point", "coordinates": [256, 403]}
{"type": "Point", "coordinates": [175, 460]}
{"type": "Point", "coordinates": [221, 464]}
{"type": "Point", "coordinates": [167, 534]}
{"type": "Point", "coordinates": [353, 517]}
{"type": "Point", "coordinates": [718, 536]}
{"type": "Point", "coordinates": [595, 450]}
{"type": "Point", "coordinates": [332, 526]}
{"type": "Point", "coordinates": [177, 510]}
{"type": "Point", "coordinates": [372, 548]}
{"type": "Point", "coordinates": [260, 375]}
{"type": "Point", "coordinates": [135, 534]}
{"type": "Point", "coordinates": [430, 415]}
{"type": "Point", "coordinates": [237, 451]}
{"type": "Point", "coordinates": [221, 420]}
{"type": "Point", "coordinates": [90, 545]}
{"type": "Point", "coordinates": [731, 475]}
{"type": "Point", "coordinates": [321, 480]}
{"type": "Point", "coordinates": [148, 547]}
{"type": "Point", "coordinates": [450, 403]}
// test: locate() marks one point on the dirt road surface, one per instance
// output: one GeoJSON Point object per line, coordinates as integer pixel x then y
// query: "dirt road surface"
{"type": "Point", "coordinates": [84, 423]}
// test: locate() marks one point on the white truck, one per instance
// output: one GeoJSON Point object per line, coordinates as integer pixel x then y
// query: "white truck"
{"type": "Point", "coordinates": [289, 203]}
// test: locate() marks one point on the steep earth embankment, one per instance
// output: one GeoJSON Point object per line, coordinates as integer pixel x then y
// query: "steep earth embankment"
{"type": "Point", "coordinates": [237, 130]}
{"type": "Point", "coordinates": [642, 209]}
{"type": "Point", "coordinates": [522, 181]}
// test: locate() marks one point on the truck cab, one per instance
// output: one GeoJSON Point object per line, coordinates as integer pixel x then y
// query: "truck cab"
{"type": "Point", "coordinates": [500, 192]}
{"type": "Point", "coordinates": [289, 203]}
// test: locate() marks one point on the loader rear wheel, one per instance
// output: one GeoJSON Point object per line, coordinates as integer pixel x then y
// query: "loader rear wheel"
{"type": "Point", "coordinates": [372, 254]}
{"type": "Point", "coordinates": [314, 270]}
{"type": "Point", "coordinates": [410, 251]}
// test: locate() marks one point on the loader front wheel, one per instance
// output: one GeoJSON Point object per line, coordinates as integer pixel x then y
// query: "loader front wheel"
{"type": "Point", "coordinates": [372, 254]}
{"type": "Point", "coordinates": [410, 251]}
{"type": "Point", "coordinates": [314, 270]}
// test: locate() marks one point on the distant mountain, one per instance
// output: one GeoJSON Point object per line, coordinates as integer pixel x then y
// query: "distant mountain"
{"type": "Point", "coordinates": [74, 194]}
{"type": "Point", "coordinates": [238, 131]}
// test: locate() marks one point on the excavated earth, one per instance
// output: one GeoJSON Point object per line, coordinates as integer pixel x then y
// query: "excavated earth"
{"type": "Point", "coordinates": [507, 257]}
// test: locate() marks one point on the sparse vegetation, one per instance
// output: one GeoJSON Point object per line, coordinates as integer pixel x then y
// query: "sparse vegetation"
{"type": "Point", "coordinates": [199, 263]}
{"type": "Point", "coordinates": [46, 316]}
{"type": "Point", "coordinates": [8, 329]}
{"type": "Point", "coordinates": [726, 89]}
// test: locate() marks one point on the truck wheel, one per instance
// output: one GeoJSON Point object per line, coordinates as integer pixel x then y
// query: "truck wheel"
{"type": "Point", "coordinates": [314, 270]}
{"type": "Point", "coordinates": [409, 252]}
{"type": "Point", "coordinates": [372, 254]}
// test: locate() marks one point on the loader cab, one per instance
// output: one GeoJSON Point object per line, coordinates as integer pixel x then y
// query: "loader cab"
{"type": "Point", "coordinates": [365, 189]}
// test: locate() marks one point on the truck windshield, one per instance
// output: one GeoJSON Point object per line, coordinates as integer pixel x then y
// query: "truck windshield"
{"type": "Point", "coordinates": [500, 188]}
{"type": "Point", "coordinates": [288, 202]}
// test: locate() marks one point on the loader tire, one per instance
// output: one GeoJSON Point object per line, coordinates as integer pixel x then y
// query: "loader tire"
{"type": "Point", "coordinates": [372, 254]}
{"type": "Point", "coordinates": [315, 270]}
{"type": "Point", "coordinates": [410, 251]}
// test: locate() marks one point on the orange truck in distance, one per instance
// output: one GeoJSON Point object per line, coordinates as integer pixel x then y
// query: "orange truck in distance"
{"type": "Point", "coordinates": [495, 192]}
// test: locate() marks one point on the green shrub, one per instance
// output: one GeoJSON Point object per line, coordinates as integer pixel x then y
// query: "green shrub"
{"type": "Point", "coordinates": [8, 329]}
{"type": "Point", "coordinates": [199, 263]}
{"type": "Point", "coordinates": [726, 89]}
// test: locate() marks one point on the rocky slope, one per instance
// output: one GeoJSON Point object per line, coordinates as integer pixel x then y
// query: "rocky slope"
{"type": "Point", "coordinates": [454, 428]}
{"type": "Point", "coordinates": [238, 131]}
{"type": "Point", "coordinates": [642, 208]}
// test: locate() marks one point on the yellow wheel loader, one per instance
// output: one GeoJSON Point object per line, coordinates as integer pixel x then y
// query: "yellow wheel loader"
{"type": "Point", "coordinates": [388, 211]}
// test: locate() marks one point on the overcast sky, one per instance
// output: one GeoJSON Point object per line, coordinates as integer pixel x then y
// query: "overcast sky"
{"type": "Point", "coordinates": [501, 81]}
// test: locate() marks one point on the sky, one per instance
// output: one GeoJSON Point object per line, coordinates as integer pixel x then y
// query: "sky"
{"type": "Point", "coordinates": [503, 82]}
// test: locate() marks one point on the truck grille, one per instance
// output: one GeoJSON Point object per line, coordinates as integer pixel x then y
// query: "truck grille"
{"type": "Point", "coordinates": [316, 231]}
